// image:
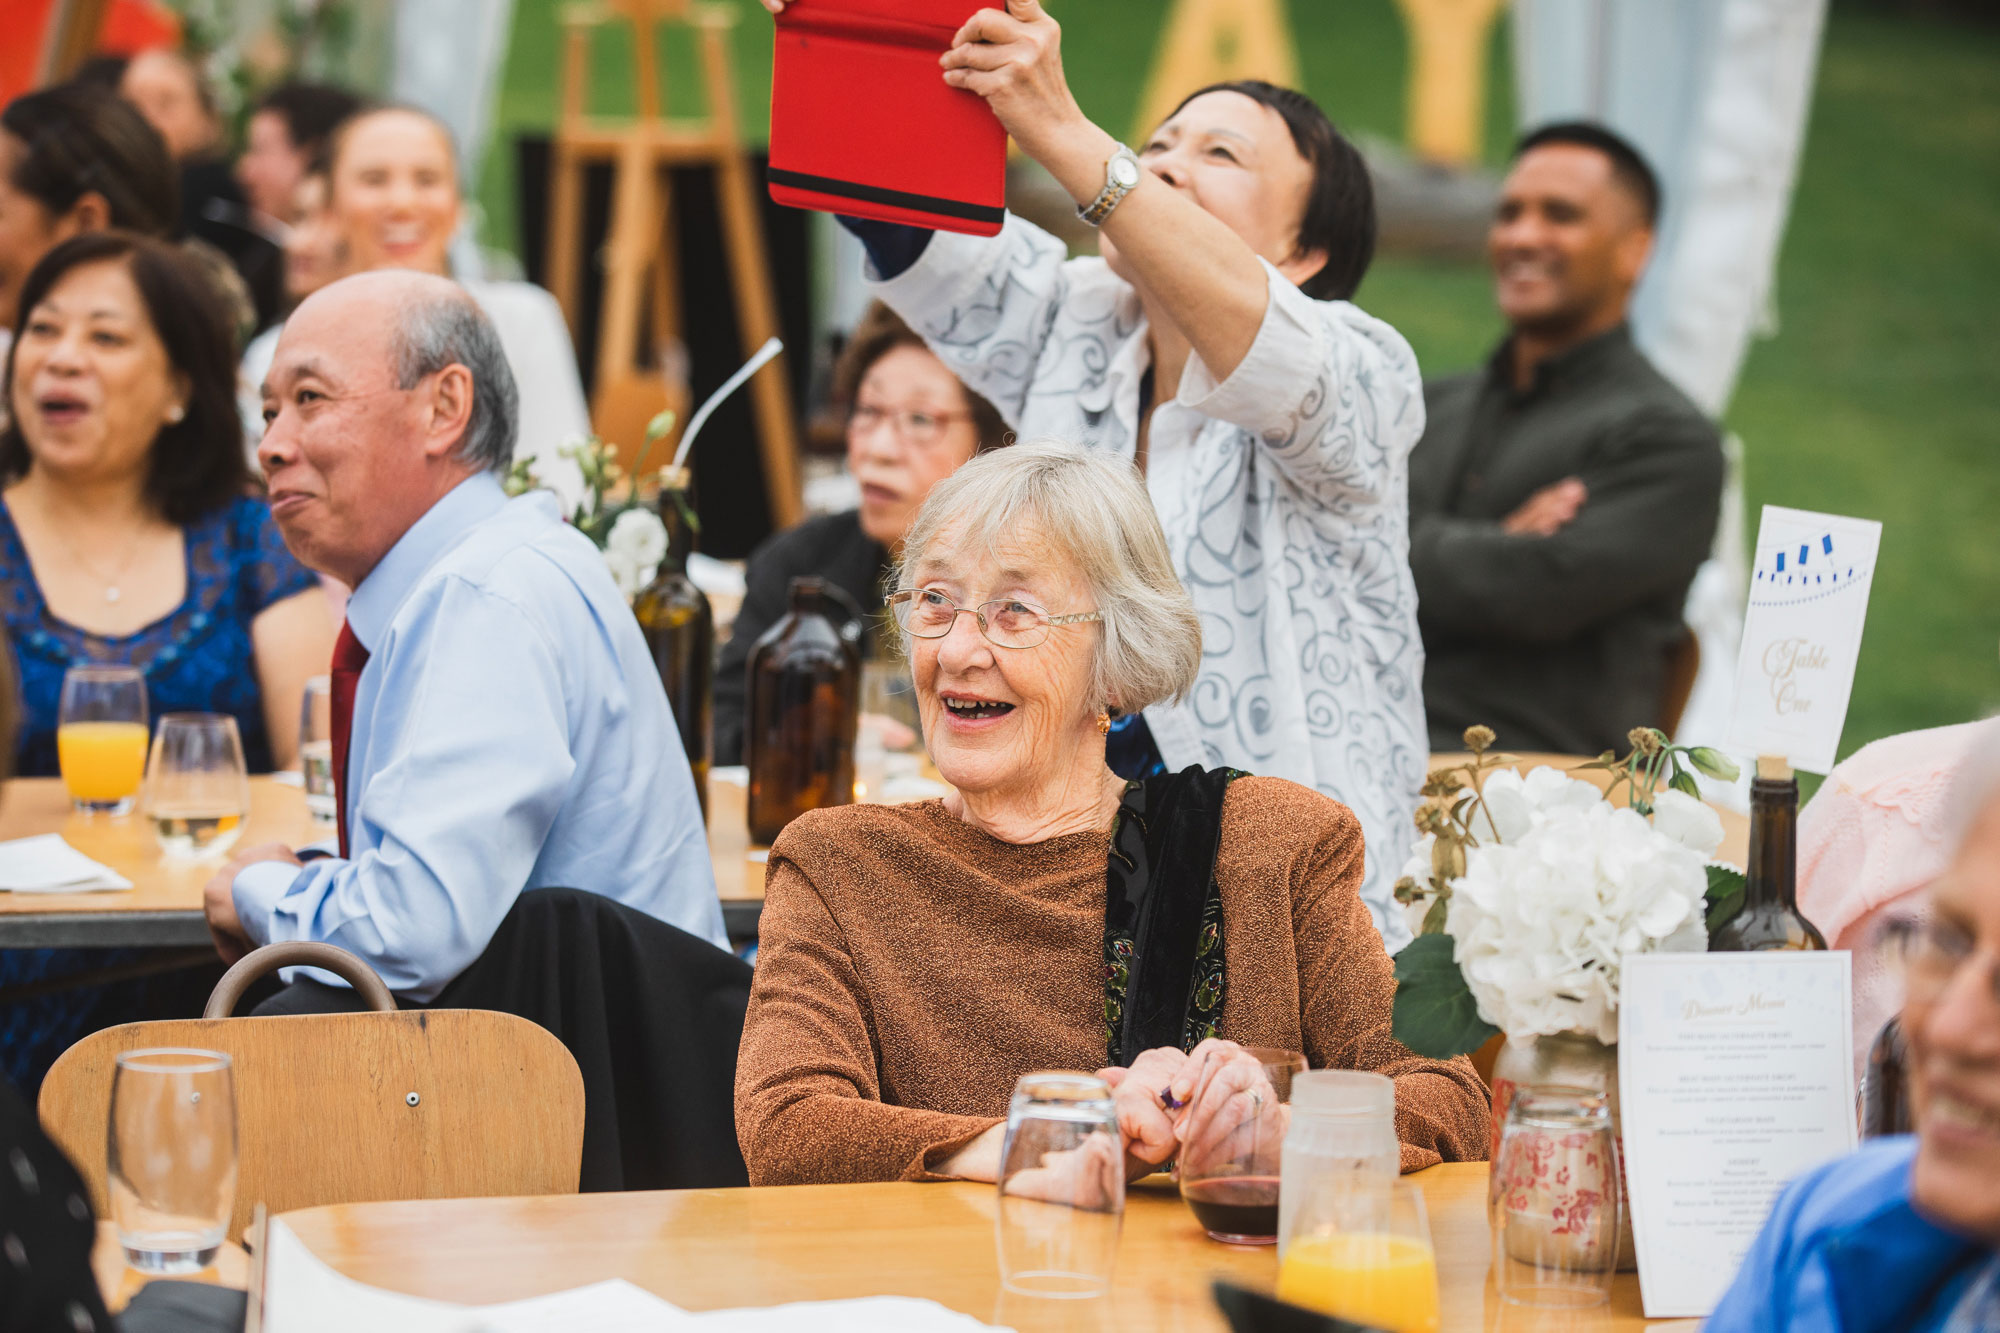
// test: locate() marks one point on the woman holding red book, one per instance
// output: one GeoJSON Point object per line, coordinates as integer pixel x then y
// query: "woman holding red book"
{"type": "Point", "coordinates": [1213, 342]}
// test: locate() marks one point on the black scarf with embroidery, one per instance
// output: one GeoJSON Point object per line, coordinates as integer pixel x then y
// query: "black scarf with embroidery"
{"type": "Point", "coordinates": [1163, 974]}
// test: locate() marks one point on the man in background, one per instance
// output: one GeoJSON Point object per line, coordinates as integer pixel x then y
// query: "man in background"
{"type": "Point", "coordinates": [1561, 498]}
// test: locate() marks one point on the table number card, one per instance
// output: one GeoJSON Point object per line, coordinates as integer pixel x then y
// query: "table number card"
{"type": "Point", "coordinates": [1735, 1075]}
{"type": "Point", "coordinates": [1802, 634]}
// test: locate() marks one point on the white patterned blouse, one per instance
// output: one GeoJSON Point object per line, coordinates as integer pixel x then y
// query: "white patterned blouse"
{"type": "Point", "coordinates": [1283, 492]}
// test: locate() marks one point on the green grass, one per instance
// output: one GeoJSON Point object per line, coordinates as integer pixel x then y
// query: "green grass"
{"type": "Point", "coordinates": [1877, 395]}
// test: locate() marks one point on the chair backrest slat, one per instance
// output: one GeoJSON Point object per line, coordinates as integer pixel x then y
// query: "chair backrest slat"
{"type": "Point", "coordinates": [325, 1112]}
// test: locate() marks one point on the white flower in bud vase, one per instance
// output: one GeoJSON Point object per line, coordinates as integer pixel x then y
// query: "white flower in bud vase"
{"type": "Point", "coordinates": [561, 471]}
{"type": "Point", "coordinates": [634, 548]}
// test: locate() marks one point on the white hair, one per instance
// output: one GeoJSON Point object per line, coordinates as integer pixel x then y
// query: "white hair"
{"type": "Point", "coordinates": [440, 325]}
{"type": "Point", "coordinates": [1090, 512]}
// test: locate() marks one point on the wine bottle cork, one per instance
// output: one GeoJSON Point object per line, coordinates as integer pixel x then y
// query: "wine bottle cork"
{"type": "Point", "coordinates": [1774, 766]}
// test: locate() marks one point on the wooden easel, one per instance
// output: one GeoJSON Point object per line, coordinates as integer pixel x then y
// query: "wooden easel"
{"type": "Point", "coordinates": [1215, 41]}
{"type": "Point", "coordinates": [641, 250]}
{"type": "Point", "coordinates": [68, 38]}
{"type": "Point", "coordinates": [1448, 45]}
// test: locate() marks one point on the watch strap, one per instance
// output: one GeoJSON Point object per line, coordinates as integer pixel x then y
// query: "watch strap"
{"type": "Point", "coordinates": [1114, 190]}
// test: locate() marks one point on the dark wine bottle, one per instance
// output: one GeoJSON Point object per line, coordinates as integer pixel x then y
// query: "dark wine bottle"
{"type": "Point", "coordinates": [804, 693]}
{"type": "Point", "coordinates": [1885, 1095]}
{"type": "Point", "coordinates": [679, 627]}
{"type": "Point", "coordinates": [1768, 917]}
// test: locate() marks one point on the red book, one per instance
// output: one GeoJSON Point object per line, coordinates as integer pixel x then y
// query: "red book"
{"type": "Point", "coordinates": [863, 123]}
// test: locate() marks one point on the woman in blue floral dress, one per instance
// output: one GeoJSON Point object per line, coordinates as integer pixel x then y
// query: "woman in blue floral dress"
{"type": "Point", "coordinates": [129, 534]}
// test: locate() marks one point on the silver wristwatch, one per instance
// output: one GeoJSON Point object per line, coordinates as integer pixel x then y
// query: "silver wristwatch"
{"type": "Point", "coordinates": [1121, 174]}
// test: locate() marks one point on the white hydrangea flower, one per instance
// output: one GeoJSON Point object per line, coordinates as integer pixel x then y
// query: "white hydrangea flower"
{"type": "Point", "coordinates": [1689, 822]}
{"type": "Point", "coordinates": [1540, 919]}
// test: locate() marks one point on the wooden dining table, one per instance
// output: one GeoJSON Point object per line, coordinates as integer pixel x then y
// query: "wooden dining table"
{"type": "Point", "coordinates": [717, 1249]}
{"type": "Point", "coordinates": [163, 907]}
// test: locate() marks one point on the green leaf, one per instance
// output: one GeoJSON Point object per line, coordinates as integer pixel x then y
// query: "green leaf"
{"type": "Point", "coordinates": [1434, 1013]}
{"type": "Point", "coordinates": [1714, 763]}
{"type": "Point", "coordinates": [1683, 781]}
{"type": "Point", "coordinates": [1726, 885]}
{"type": "Point", "coordinates": [1434, 918]}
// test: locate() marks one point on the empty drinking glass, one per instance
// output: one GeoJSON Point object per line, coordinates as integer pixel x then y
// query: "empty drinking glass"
{"type": "Point", "coordinates": [1555, 1198]}
{"type": "Point", "coordinates": [172, 1154]}
{"type": "Point", "coordinates": [1343, 1126]}
{"type": "Point", "coordinates": [316, 747]}
{"type": "Point", "coordinates": [1228, 1167]}
{"type": "Point", "coordinates": [1062, 1187]}
{"type": "Point", "coordinates": [888, 743]}
{"type": "Point", "coordinates": [101, 737]}
{"type": "Point", "coordinates": [197, 792]}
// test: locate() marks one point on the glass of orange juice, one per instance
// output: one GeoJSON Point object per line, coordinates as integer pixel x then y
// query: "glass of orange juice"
{"type": "Point", "coordinates": [1366, 1257]}
{"type": "Point", "coordinates": [101, 737]}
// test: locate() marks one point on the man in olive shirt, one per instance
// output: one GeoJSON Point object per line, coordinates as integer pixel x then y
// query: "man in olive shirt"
{"type": "Point", "coordinates": [1562, 498]}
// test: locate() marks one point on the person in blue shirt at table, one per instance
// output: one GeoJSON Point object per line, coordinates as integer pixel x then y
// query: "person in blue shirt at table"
{"type": "Point", "coordinates": [1905, 1234]}
{"type": "Point", "coordinates": [508, 728]}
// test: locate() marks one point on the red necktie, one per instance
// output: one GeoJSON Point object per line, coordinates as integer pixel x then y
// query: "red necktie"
{"type": "Point", "coordinates": [348, 659]}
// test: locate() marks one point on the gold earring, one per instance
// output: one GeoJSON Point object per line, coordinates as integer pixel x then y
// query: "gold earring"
{"type": "Point", "coordinates": [1104, 724]}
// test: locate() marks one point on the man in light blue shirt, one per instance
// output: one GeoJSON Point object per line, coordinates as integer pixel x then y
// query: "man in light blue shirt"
{"type": "Point", "coordinates": [509, 728]}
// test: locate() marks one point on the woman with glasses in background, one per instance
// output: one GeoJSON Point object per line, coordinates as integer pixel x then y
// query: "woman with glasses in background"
{"type": "Point", "coordinates": [910, 423]}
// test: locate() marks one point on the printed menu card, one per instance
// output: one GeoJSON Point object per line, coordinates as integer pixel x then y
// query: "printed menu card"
{"type": "Point", "coordinates": [1802, 634]}
{"type": "Point", "coordinates": [1735, 1075]}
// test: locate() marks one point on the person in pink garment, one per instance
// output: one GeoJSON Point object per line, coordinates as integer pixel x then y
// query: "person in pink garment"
{"type": "Point", "coordinates": [1871, 840]}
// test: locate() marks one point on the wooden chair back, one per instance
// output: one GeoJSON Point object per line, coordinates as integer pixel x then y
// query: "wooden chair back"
{"type": "Point", "coordinates": [348, 1108]}
{"type": "Point", "coordinates": [1683, 665]}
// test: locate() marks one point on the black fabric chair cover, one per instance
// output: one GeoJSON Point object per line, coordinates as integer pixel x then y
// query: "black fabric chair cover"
{"type": "Point", "coordinates": [653, 1016]}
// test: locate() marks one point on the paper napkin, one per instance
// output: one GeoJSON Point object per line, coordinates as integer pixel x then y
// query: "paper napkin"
{"type": "Point", "coordinates": [47, 864]}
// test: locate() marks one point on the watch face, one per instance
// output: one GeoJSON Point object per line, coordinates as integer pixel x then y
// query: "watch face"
{"type": "Point", "coordinates": [1124, 171]}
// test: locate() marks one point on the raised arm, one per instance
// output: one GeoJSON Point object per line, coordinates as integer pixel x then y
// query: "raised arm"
{"type": "Point", "coordinates": [1198, 272]}
{"type": "Point", "coordinates": [809, 1106]}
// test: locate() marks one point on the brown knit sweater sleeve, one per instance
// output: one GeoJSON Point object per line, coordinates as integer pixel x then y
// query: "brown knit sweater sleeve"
{"type": "Point", "coordinates": [809, 1106]}
{"type": "Point", "coordinates": [1347, 986]}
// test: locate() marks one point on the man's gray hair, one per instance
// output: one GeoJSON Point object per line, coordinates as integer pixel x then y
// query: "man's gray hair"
{"type": "Point", "coordinates": [1087, 510]}
{"type": "Point", "coordinates": [438, 327]}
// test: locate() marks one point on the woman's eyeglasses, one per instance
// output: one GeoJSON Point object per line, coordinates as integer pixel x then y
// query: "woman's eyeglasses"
{"type": "Point", "coordinates": [1011, 623]}
{"type": "Point", "coordinates": [922, 429]}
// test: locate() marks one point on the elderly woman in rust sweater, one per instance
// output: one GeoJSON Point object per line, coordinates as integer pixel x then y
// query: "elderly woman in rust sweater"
{"type": "Point", "coordinates": [917, 959]}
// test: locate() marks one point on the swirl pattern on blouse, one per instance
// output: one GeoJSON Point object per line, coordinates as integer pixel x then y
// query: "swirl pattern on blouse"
{"type": "Point", "coordinates": [1283, 491]}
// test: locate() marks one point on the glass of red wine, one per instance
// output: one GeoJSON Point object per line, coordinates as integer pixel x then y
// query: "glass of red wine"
{"type": "Point", "coordinates": [1228, 1168]}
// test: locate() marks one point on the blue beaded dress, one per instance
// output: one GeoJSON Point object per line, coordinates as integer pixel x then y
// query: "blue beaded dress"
{"type": "Point", "coordinates": [197, 658]}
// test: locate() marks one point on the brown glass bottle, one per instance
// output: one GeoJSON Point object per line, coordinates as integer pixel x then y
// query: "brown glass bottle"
{"type": "Point", "coordinates": [679, 627]}
{"type": "Point", "coordinates": [1885, 1095]}
{"type": "Point", "coordinates": [1768, 917]}
{"type": "Point", "coordinates": [804, 693]}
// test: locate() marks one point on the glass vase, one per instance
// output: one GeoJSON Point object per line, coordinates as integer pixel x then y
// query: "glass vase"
{"type": "Point", "coordinates": [1571, 1059]}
